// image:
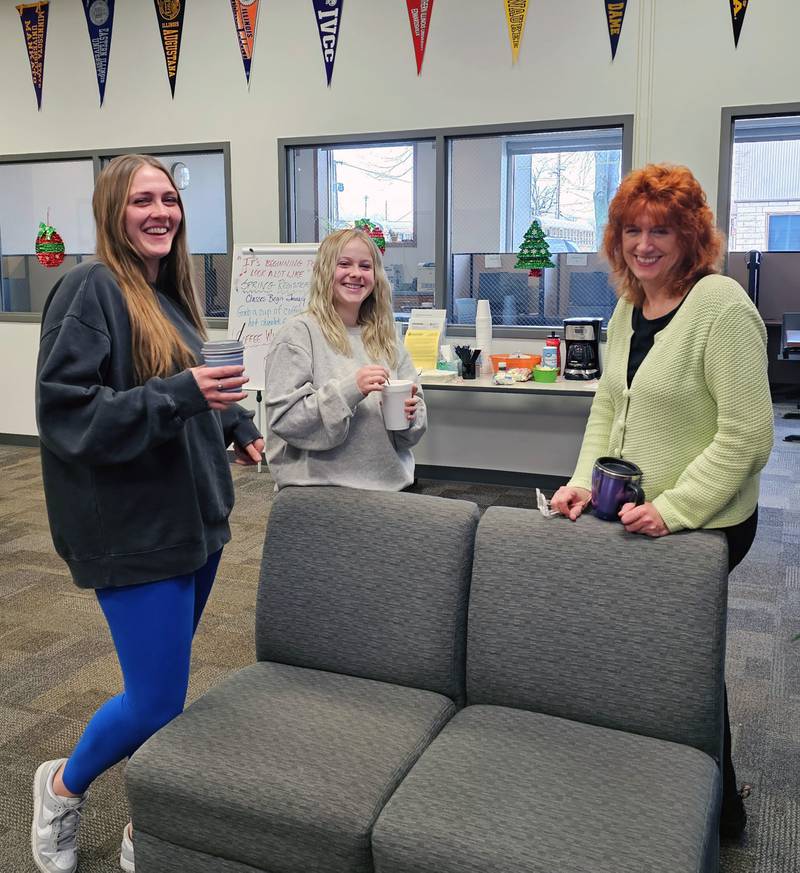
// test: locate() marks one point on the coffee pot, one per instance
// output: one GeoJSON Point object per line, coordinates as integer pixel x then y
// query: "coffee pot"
{"type": "Point", "coordinates": [582, 348]}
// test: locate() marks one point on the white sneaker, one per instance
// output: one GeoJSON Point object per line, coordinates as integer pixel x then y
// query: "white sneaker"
{"type": "Point", "coordinates": [126, 851]}
{"type": "Point", "coordinates": [54, 831]}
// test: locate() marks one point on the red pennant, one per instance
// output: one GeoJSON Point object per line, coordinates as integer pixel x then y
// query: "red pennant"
{"type": "Point", "coordinates": [419, 16]}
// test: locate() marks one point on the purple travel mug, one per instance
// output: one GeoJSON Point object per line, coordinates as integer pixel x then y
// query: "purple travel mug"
{"type": "Point", "coordinates": [615, 482]}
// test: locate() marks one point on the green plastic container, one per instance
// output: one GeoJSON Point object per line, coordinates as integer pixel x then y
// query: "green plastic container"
{"type": "Point", "coordinates": [544, 374]}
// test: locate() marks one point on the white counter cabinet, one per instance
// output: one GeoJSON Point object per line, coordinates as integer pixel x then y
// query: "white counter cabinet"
{"type": "Point", "coordinates": [511, 434]}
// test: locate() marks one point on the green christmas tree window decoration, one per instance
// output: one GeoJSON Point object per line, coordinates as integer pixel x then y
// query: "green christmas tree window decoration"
{"type": "Point", "coordinates": [534, 253]}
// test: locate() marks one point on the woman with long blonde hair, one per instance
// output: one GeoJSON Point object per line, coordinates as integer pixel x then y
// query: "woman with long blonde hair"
{"type": "Point", "coordinates": [134, 462]}
{"type": "Point", "coordinates": [325, 373]}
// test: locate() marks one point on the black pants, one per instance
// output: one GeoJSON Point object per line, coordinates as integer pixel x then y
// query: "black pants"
{"type": "Point", "coordinates": [740, 537]}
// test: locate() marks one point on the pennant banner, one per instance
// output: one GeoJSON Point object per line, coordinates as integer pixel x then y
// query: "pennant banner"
{"type": "Point", "coordinates": [615, 12]}
{"type": "Point", "coordinates": [516, 10]}
{"type": "Point", "coordinates": [34, 28]}
{"type": "Point", "coordinates": [328, 14]}
{"type": "Point", "coordinates": [100, 21]}
{"type": "Point", "coordinates": [419, 16]}
{"type": "Point", "coordinates": [245, 17]}
{"type": "Point", "coordinates": [738, 9]}
{"type": "Point", "coordinates": [170, 24]}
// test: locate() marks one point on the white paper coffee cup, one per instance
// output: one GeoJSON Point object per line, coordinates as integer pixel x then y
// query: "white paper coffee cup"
{"type": "Point", "coordinates": [394, 396]}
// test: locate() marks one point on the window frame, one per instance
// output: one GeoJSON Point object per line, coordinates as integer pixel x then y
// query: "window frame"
{"type": "Point", "coordinates": [441, 138]}
{"type": "Point", "coordinates": [729, 116]}
{"type": "Point", "coordinates": [97, 156]}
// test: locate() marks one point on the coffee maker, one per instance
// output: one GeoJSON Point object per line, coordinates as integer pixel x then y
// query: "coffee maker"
{"type": "Point", "coordinates": [582, 348]}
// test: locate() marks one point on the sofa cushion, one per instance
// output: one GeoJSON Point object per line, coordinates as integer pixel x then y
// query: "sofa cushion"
{"type": "Point", "coordinates": [503, 789]}
{"type": "Point", "coordinates": [588, 622]}
{"type": "Point", "coordinates": [157, 856]}
{"type": "Point", "coordinates": [370, 584]}
{"type": "Point", "coordinates": [282, 768]}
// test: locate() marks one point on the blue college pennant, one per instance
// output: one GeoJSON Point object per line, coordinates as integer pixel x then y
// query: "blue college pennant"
{"type": "Point", "coordinates": [100, 21]}
{"type": "Point", "coordinates": [328, 15]}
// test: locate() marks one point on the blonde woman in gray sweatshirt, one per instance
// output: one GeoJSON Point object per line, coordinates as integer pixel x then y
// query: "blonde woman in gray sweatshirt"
{"type": "Point", "coordinates": [325, 371]}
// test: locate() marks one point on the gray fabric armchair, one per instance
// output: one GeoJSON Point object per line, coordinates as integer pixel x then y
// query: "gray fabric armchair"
{"type": "Point", "coordinates": [573, 723]}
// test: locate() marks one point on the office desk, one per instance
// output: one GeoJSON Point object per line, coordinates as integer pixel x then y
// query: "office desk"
{"type": "Point", "coordinates": [525, 433]}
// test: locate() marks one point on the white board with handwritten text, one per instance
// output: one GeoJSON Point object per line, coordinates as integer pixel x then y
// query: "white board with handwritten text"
{"type": "Point", "coordinates": [269, 284]}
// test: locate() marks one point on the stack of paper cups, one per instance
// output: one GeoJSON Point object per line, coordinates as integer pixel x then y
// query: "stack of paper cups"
{"type": "Point", "coordinates": [483, 335]}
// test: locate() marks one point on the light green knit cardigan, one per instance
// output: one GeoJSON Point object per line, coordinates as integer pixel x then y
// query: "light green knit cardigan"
{"type": "Point", "coordinates": [697, 418]}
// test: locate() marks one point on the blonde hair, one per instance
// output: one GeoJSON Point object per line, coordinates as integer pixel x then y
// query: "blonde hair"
{"type": "Point", "coordinates": [157, 346]}
{"type": "Point", "coordinates": [375, 315]}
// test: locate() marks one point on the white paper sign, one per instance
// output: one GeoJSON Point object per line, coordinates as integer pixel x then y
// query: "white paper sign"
{"type": "Point", "coordinates": [269, 284]}
{"type": "Point", "coordinates": [492, 262]}
{"type": "Point", "coordinates": [574, 260]}
{"type": "Point", "coordinates": [430, 319]}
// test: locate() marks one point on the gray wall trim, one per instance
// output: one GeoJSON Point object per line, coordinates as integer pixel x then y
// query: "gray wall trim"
{"type": "Point", "coordinates": [19, 439]}
{"type": "Point", "coordinates": [470, 130]}
{"type": "Point", "coordinates": [36, 318]}
{"type": "Point", "coordinates": [490, 477]}
{"type": "Point", "coordinates": [441, 226]}
{"type": "Point", "coordinates": [23, 317]}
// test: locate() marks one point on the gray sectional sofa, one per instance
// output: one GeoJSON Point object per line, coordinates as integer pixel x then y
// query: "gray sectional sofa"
{"type": "Point", "coordinates": [434, 694]}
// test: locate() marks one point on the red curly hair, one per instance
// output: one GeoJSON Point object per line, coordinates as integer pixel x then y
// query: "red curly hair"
{"type": "Point", "coordinates": [670, 196]}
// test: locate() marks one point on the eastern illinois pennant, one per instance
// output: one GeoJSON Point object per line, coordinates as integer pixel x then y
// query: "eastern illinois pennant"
{"type": "Point", "coordinates": [328, 14]}
{"type": "Point", "coordinates": [615, 12]}
{"type": "Point", "coordinates": [738, 9]}
{"type": "Point", "coordinates": [516, 10]}
{"type": "Point", "coordinates": [34, 28]}
{"type": "Point", "coordinates": [245, 17]}
{"type": "Point", "coordinates": [100, 21]}
{"type": "Point", "coordinates": [170, 24]}
{"type": "Point", "coordinates": [419, 16]}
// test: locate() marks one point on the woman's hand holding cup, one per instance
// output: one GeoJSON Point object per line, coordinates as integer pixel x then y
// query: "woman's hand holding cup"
{"type": "Point", "coordinates": [371, 378]}
{"type": "Point", "coordinates": [570, 501]}
{"type": "Point", "coordinates": [410, 404]}
{"type": "Point", "coordinates": [221, 386]}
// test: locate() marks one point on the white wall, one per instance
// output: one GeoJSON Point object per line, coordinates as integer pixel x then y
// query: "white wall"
{"type": "Point", "coordinates": [675, 68]}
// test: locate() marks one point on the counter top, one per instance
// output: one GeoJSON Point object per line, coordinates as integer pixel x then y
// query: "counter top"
{"type": "Point", "coordinates": [484, 383]}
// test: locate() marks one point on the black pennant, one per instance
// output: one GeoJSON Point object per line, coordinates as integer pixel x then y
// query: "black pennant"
{"type": "Point", "coordinates": [738, 9]}
{"type": "Point", "coordinates": [615, 12]}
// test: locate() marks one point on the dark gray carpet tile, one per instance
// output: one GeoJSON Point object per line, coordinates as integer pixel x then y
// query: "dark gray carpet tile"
{"type": "Point", "coordinates": [57, 663]}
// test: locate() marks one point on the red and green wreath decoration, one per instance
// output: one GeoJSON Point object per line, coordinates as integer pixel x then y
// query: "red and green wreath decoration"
{"type": "Point", "coordinates": [49, 246]}
{"type": "Point", "coordinates": [374, 231]}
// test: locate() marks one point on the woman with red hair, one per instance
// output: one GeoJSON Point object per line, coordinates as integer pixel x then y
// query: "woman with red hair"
{"type": "Point", "coordinates": [684, 392]}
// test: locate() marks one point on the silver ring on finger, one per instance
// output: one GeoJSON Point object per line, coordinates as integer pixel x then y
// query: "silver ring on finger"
{"type": "Point", "coordinates": [219, 386]}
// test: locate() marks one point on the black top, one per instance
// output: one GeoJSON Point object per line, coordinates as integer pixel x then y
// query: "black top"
{"type": "Point", "coordinates": [136, 476]}
{"type": "Point", "coordinates": [644, 332]}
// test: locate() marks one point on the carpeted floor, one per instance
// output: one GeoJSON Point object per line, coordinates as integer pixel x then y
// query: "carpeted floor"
{"type": "Point", "coordinates": [57, 663]}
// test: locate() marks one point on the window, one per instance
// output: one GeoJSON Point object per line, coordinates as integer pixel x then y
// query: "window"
{"type": "Point", "coordinates": [455, 205]}
{"type": "Point", "coordinates": [499, 184]}
{"type": "Point", "coordinates": [783, 233]}
{"type": "Point", "coordinates": [57, 189]}
{"type": "Point", "coordinates": [57, 192]}
{"type": "Point", "coordinates": [765, 184]}
{"type": "Point", "coordinates": [390, 183]}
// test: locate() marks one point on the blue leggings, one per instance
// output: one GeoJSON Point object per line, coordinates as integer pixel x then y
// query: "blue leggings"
{"type": "Point", "coordinates": [152, 626]}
